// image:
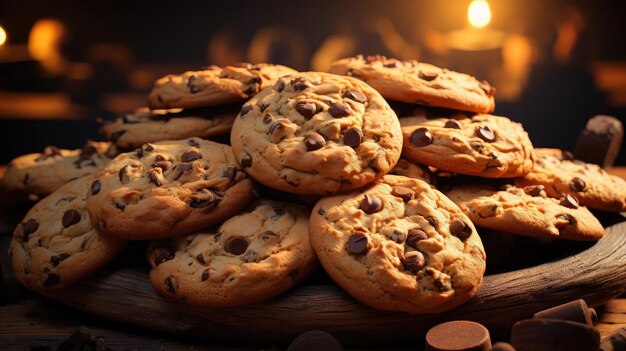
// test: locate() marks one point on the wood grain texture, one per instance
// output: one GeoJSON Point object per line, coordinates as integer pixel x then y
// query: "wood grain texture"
{"type": "Point", "coordinates": [596, 274]}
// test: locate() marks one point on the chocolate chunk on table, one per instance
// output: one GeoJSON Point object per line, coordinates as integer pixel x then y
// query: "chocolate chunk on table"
{"type": "Point", "coordinates": [600, 141]}
{"type": "Point", "coordinates": [458, 336]}
{"type": "Point", "coordinates": [554, 335]}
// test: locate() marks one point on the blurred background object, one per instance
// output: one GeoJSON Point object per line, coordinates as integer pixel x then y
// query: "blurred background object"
{"type": "Point", "coordinates": [62, 65]}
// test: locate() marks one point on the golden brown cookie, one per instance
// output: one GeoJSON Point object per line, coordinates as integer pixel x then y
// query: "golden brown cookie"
{"type": "Point", "coordinates": [418, 82]}
{"type": "Point", "coordinates": [399, 245]}
{"type": "Point", "coordinates": [414, 170]}
{"type": "Point", "coordinates": [214, 85]}
{"type": "Point", "coordinates": [317, 133]}
{"type": "Point", "coordinates": [251, 257]}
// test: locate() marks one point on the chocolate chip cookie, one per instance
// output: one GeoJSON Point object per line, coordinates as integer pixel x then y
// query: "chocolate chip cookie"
{"type": "Point", "coordinates": [414, 170]}
{"type": "Point", "coordinates": [418, 82]}
{"type": "Point", "coordinates": [526, 211]}
{"type": "Point", "coordinates": [56, 244]}
{"type": "Point", "coordinates": [591, 185]}
{"type": "Point", "coordinates": [214, 85]}
{"type": "Point", "coordinates": [168, 188]}
{"type": "Point", "coordinates": [399, 245]}
{"type": "Point", "coordinates": [482, 145]}
{"type": "Point", "coordinates": [317, 133]}
{"type": "Point", "coordinates": [251, 257]}
{"type": "Point", "coordinates": [43, 173]}
{"type": "Point", "coordinates": [145, 126]}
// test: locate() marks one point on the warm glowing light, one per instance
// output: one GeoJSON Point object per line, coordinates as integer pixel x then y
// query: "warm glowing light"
{"type": "Point", "coordinates": [479, 13]}
{"type": "Point", "coordinates": [3, 36]}
{"type": "Point", "coordinates": [44, 44]}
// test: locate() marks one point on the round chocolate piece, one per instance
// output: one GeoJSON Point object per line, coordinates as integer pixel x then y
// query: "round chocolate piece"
{"type": "Point", "coordinates": [353, 137]}
{"type": "Point", "coordinates": [355, 95]}
{"type": "Point", "coordinates": [421, 137]}
{"type": "Point", "coordinates": [306, 109]}
{"type": "Point", "coordinates": [70, 217]}
{"type": "Point", "coordinates": [371, 204]}
{"type": "Point", "coordinates": [486, 134]}
{"type": "Point", "coordinates": [414, 236]}
{"type": "Point", "coordinates": [577, 184]}
{"type": "Point", "coordinates": [460, 229]}
{"type": "Point", "coordinates": [357, 244]}
{"type": "Point", "coordinates": [453, 123]}
{"type": "Point", "coordinates": [339, 109]}
{"type": "Point", "coordinates": [458, 336]}
{"type": "Point", "coordinates": [236, 246]}
{"type": "Point", "coordinates": [314, 141]}
{"type": "Point", "coordinates": [575, 311]}
{"type": "Point", "coordinates": [569, 201]}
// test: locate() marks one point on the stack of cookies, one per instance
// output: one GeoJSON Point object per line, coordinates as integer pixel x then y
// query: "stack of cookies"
{"type": "Point", "coordinates": [399, 161]}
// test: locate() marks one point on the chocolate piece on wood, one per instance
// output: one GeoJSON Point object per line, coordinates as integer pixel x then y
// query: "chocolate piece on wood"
{"type": "Point", "coordinates": [600, 142]}
{"type": "Point", "coordinates": [614, 342]}
{"type": "Point", "coordinates": [458, 336]}
{"type": "Point", "coordinates": [575, 311]}
{"type": "Point", "coordinates": [553, 335]}
{"type": "Point", "coordinates": [315, 340]}
{"type": "Point", "coordinates": [503, 346]}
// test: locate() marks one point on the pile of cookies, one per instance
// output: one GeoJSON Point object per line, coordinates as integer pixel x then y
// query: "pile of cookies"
{"type": "Point", "coordinates": [391, 164]}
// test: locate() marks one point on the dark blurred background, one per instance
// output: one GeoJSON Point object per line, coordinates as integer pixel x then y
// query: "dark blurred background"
{"type": "Point", "coordinates": [64, 64]}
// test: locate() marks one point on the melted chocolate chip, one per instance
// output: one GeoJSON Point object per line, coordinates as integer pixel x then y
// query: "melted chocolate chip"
{"type": "Point", "coordinates": [56, 259]}
{"type": "Point", "coordinates": [205, 275]}
{"type": "Point", "coordinates": [453, 123]}
{"type": "Point", "coordinates": [414, 236]}
{"type": "Point", "coordinates": [353, 137]}
{"type": "Point", "coordinates": [172, 284]}
{"type": "Point", "coordinates": [245, 109]}
{"type": "Point", "coordinates": [306, 109]}
{"type": "Point", "coordinates": [536, 190]}
{"type": "Point", "coordinates": [486, 134]}
{"type": "Point", "coordinates": [70, 217]}
{"type": "Point", "coordinates": [153, 175]}
{"type": "Point", "coordinates": [51, 280]}
{"type": "Point", "coordinates": [203, 198]}
{"type": "Point", "coordinates": [404, 193]}
{"type": "Point", "coordinates": [577, 184]}
{"type": "Point", "coordinates": [139, 153]}
{"type": "Point", "coordinates": [460, 229]}
{"type": "Point", "coordinates": [274, 126]}
{"type": "Point", "coordinates": [230, 173]}
{"type": "Point", "coordinates": [299, 84]}
{"type": "Point", "coordinates": [432, 221]}
{"type": "Point", "coordinates": [267, 118]}
{"type": "Point", "coordinates": [236, 246]}
{"type": "Point", "coordinates": [355, 95]}
{"type": "Point", "coordinates": [163, 165]}
{"type": "Point", "coordinates": [181, 169]}
{"type": "Point", "coordinates": [200, 258]}
{"type": "Point", "coordinates": [161, 254]}
{"type": "Point", "coordinates": [193, 142]}
{"type": "Point", "coordinates": [246, 161]}
{"type": "Point", "coordinates": [313, 141]}
{"type": "Point", "coordinates": [280, 86]}
{"type": "Point", "coordinates": [569, 201]}
{"type": "Point", "coordinates": [339, 109]}
{"type": "Point", "coordinates": [29, 227]}
{"type": "Point", "coordinates": [95, 187]}
{"type": "Point", "coordinates": [357, 244]}
{"type": "Point", "coordinates": [191, 155]}
{"type": "Point", "coordinates": [371, 204]}
{"type": "Point", "coordinates": [428, 76]}
{"type": "Point", "coordinates": [568, 217]}
{"type": "Point", "coordinates": [421, 137]}
{"type": "Point", "coordinates": [192, 88]}
{"type": "Point", "coordinates": [413, 261]}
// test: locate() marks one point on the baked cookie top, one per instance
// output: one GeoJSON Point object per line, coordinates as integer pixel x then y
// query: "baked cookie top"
{"type": "Point", "coordinates": [399, 245]}
{"type": "Point", "coordinates": [214, 86]}
{"type": "Point", "coordinates": [168, 188]}
{"type": "Point", "coordinates": [317, 133]}
{"type": "Point", "coordinates": [482, 145]}
{"type": "Point", "coordinates": [591, 185]}
{"type": "Point", "coordinates": [56, 244]}
{"type": "Point", "coordinates": [418, 82]}
{"type": "Point", "coordinates": [527, 212]}
{"type": "Point", "coordinates": [43, 173]}
{"type": "Point", "coordinates": [413, 170]}
{"type": "Point", "coordinates": [149, 126]}
{"type": "Point", "coordinates": [251, 257]}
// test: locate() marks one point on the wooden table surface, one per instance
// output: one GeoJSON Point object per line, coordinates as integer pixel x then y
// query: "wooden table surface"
{"type": "Point", "coordinates": [33, 320]}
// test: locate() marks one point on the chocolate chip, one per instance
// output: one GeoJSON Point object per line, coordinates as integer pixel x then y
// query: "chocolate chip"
{"type": "Point", "coordinates": [460, 229]}
{"type": "Point", "coordinates": [371, 204]}
{"type": "Point", "coordinates": [230, 173]}
{"type": "Point", "coordinates": [414, 236]}
{"type": "Point", "coordinates": [115, 136]}
{"type": "Point", "coordinates": [536, 190]}
{"type": "Point", "coordinates": [413, 261]}
{"type": "Point", "coordinates": [203, 198]}
{"type": "Point", "coordinates": [486, 134]}
{"type": "Point", "coordinates": [161, 254]}
{"type": "Point", "coordinates": [279, 86]}
{"type": "Point", "coordinates": [95, 187]}
{"type": "Point", "coordinates": [193, 142]}
{"type": "Point", "coordinates": [236, 246]}
{"type": "Point", "coordinates": [70, 217]}
{"type": "Point", "coordinates": [486, 87]}
{"type": "Point", "coordinates": [421, 137]}
{"type": "Point", "coordinates": [404, 193]}
{"type": "Point", "coordinates": [339, 109]}
{"type": "Point", "coordinates": [432, 221]}
{"type": "Point", "coordinates": [266, 235]}
{"type": "Point", "coordinates": [392, 64]}
{"type": "Point", "coordinates": [441, 285]}
{"type": "Point", "coordinates": [148, 147]}
{"type": "Point", "coordinates": [51, 280]}
{"type": "Point", "coordinates": [163, 165]}
{"type": "Point", "coordinates": [353, 137]}
{"type": "Point", "coordinates": [357, 244]}
{"type": "Point", "coordinates": [245, 109]}
{"type": "Point", "coordinates": [278, 212]}
{"type": "Point", "coordinates": [274, 126]}
{"type": "Point", "coordinates": [577, 184]}
{"type": "Point", "coordinates": [428, 76]}
{"type": "Point", "coordinates": [567, 156]}
{"type": "Point", "coordinates": [153, 175]}
{"type": "Point", "coordinates": [355, 95]}
{"type": "Point", "coordinates": [568, 217]}
{"type": "Point", "coordinates": [200, 258]}
{"type": "Point", "coordinates": [48, 152]}
{"type": "Point", "coordinates": [172, 284]}
{"type": "Point", "coordinates": [122, 173]}
{"type": "Point", "coordinates": [299, 84]}
{"type": "Point", "coordinates": [190, 155]}
{"type": "Point", "coordinates": [453, 123]}
{"type": "Point", "coordinates": [267, 118]}
{"type": "Point", "coordinates": [205, 275]}
{"type": "Point", "coordinates": [181, 169]}
{"type": "Point", "coordinates": [246, 161]}
{"type": "Point", "coordinates": [306, 109]}
{"type": "Point", "coordinates": [569, 201]}
{"type": "Point", "coordinates": [314, 141]}
{"type": "Point", "coordinates": [29, 227]}
{"type": "Point", "coordinates": [192, 88]}
{"type": "Point", "coordinates": [139, 153]}
{"type": "Point", "coordinates": [321, 211]}
{"type": "Point", "coordinates": [56, 259]}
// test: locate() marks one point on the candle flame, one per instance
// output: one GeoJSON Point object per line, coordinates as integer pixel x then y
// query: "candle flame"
{"type": "Point", "coordinates": [479, 13]}
{"type": "Point", "coordinates": [3, 36]}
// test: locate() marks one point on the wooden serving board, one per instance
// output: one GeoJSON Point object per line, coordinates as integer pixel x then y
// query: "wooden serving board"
{"type": "Point", "coordinates": [597, 273]}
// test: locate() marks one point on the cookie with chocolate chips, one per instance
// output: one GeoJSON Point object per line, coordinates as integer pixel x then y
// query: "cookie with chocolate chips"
{"type": "Point", "coordinates": [43, 173]}
{"type": "Point", "coordinates": [168, 188]}
{"type": "Point", "coordinates": [526, 211]}
{"type": "Point", "coordinates": [481, 145]}
{"type": "Point", "coordinates": [251, 257]}
{"type": "Point", "coordinates": [214, 85]}
{"type": "Point", "coordinates": [317, 133]}
{"type": "Point", "coordinates": [418, 82]}
{"type": "Point", "coordinates": [399, 245]}
{"type": "Point", "coordinates": [145, 126]}
{"type": "Point", "coordinates": [56, 244]}
{"type": "Point", "coordinates": [591, 185]}
{"type": "Point", "coordinates": [414, 170]}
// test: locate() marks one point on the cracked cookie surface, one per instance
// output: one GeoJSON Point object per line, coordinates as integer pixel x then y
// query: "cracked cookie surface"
{"type": "Point", "coordinates": [43, 173]}
{"type": "Point", "coordinates": [591, 185]}
{"type": "Point", "coordinates": [56, 244]}
{"type": "Point", "coordinates": [317, 133]}
{"type": "Point", "coordinates": [214, 85]}
{"type": "Point", "coordinates": [168, 188]}
{"type": "Point", "coordinates": [251, 257]}
{"type": "Point", "coordinates": [149, 126]}
{"type": "Point", "coordinates": [482, 145]}
{"type": "Point", "coordinates": [526, 211]}
{"type": "Point", "coordinates": [399, 245]}
{"type": "Point", "coordinates": [418, 82]}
